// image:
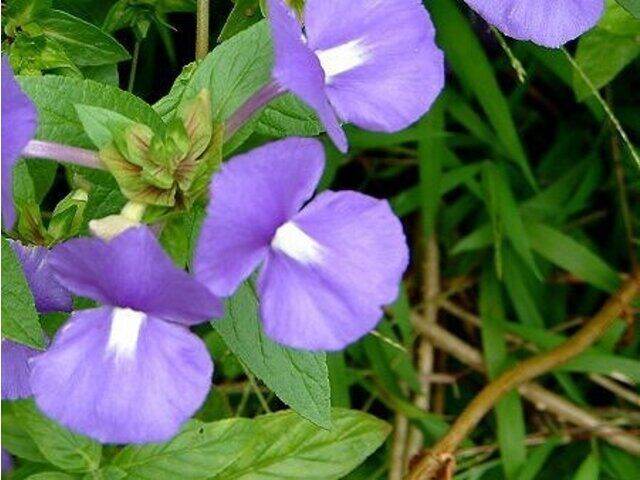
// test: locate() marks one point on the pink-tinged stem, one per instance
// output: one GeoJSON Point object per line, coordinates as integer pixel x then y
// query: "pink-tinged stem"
{"type": "Point", "coordinates": [63, 153]}
{"type": "Point", "coordinates": [248, 109]}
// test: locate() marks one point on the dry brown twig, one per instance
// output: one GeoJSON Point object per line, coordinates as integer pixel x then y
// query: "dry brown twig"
{"type": "Point", "coordinates": [436, 463]}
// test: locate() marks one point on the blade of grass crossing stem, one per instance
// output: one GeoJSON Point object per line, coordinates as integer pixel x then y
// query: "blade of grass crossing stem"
{"type": "Point", "coordinates": [469, 61]}
{"type": "Point", "coordinates": [537, 458]}
{"type": "Point", "coordinates": [431, 152]}
{"type": "Point", "coordinates": [509, 416]}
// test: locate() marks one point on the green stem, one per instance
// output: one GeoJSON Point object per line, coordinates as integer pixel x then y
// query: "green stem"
{"type": "Point", "coordinates": [134, 66]}
{"type": "Point", "coordinates": [605, 106]}
{"type": "Point", "coordinates": [202, 29]}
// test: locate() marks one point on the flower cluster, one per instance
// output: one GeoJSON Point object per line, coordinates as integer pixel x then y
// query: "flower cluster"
{"type": "Point", "coordinates": [130, 370]}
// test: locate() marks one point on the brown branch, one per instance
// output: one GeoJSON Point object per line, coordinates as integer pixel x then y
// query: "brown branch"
{"type": "Point", "coordinates": [438, 459]}
{"type": "Point", "coordinates": [430, 291]}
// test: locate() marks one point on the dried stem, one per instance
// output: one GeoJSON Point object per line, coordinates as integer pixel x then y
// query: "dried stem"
{"type": "Point", "coordinates": [542, 398]}
{"type": "Point", "coordinates": [431, 290]}
{"type": "Point", "coordinates": [202, 29]}
{"type": "Point", "coordinates": [627, 218]}
{"type": "Point", "coordinates": [439, 457]}
{"type": "Point", "coordinates": [607, 109]}
{"type": "Point", "coordinates": [398, 448]}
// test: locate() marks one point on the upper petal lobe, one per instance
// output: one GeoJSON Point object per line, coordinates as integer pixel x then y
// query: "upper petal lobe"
{"type": "Point", "coordinates": [549, 23]}
{"type": "Point", "coordinates": [132, 271]}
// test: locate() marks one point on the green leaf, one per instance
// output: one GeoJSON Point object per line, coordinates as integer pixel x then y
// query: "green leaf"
{"type": "Point", "coordinates": [15, 438]}
{"type": "Point", "coordinates": [469, 61]}
{"type": "Point", "coordinates": [431, 154]}
{"type": "Point", "coordinates": [106, 473]}
{"type": "Point", "coordinates": [86, 44]}
{"type": "Point", "coordinates": [631, 6]}
{"type": "Point", "coordinates": [511, 429]}
{"type": "Point", "coordinates": [505, 214]}
{"type": "Point", "coordinates": [199, 451]}
{"type": "Point", "coordinates": [56, 97]}
{"type": "Point", "coordinates": [567, 253]}
{"type": "Point", "coordinates": [298, 378]}
{"type": "Point", "coordinates": [51, 476]}
{"type": "Point", "coordinates": [607, 49]}
{"type": "Point", "coordinates": [19, 317]}
{"type": "Point", "coordinates": [594, 360]}
{"type": "Point", "coordinates": [244, 14]}
{"type": "Point", "coordinates": [101, 125]}
{"type": "Point", "coordinates": [65, 450]}
{"type": "Point", "coordinates": [589, 469]}
{"type": "Point", "coordinates": [288, 447]}
{"type": "Point", "coordinates": [538, 458]}
{"type": "Point", "coordinates": [234, 70]}
{"type": "Point", "coordinates": [287, 116]}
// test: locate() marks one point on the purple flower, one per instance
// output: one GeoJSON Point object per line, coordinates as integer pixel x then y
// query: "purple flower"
{"type": "Point", "coordinates": [550, 23]}
{"type": "Point", "coordinates": [7, 462]}
{"type": "Point", "coordinates": [49, 296]}
{"type": "Point", "coordinates": [371, 63]}
{"type": "Point", "coordinates": [327, 267]}
{"type": "Point", "coordinates": [19, 122]}
{"type": "Point", "coordinates": [47, 292]}
{"type": "Point", "coordinates": [129, 371]}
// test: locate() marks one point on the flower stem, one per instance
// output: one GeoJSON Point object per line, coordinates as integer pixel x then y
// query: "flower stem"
{"type": "Point", "coordinates": [63, 153]}
{"type": "Point", "coordinates": [248, 109]}
{"type": "Point", "coordinates": [439, 457]}
{"type": "Point", "coordinates": [202, 29]}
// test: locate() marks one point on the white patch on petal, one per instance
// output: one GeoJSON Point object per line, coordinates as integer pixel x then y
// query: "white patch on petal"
{"type": "Point", "coordinates": [343, 58]}
{"type": "Point", "coordinates": [295, 243]}
{"type": "Point", "coordinates": [125, 329]}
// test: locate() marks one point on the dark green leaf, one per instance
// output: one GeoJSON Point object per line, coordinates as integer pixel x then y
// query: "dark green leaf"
{"type": "Point", "coordinates": [19, 317]}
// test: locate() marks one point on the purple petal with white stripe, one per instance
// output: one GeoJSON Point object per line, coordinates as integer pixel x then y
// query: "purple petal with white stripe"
{"type": "Point", "coordinates": [253, 195]}
{"type": "Point", "coordinates": [19, 123]}
{"type": "Point", "coordinates": [121, 376]}
{"type": "Point", "coordinates": [132, 271]}
{"type": "Point", "coordinates": [382, 67]}
{"type": "Point", "coordinates": [549, 23]}
{"type": "Point", "coordinates": [331, 269]}
{"type": "Point", "coordinates": [297, 69]}
{"type": "Point", "coordinates": [328, 268]}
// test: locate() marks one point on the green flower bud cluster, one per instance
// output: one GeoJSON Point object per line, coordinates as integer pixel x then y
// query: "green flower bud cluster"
{"type": "Point", "coordinates": [168, 169]}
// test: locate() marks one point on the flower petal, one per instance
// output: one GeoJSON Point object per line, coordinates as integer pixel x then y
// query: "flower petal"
{"type": "Point", "coordinates": [47, 292]}
{"type": "Point", "coordinates": [323, 287]}
{"type": "Point", "coordinates": [132, 271]}
{"type": "Point", "coordinates": [15, 370]}
{"type": "Point", "coordinates": [19, 122]}
{"type": "Point", "coordinates": [251, 196]}
{"type": "Point", "coordinates": [383, 67]}
{"type": "Point", "coordinates": [120, 376]}
{"type": "Point", "coordinates": [298, 70]}
{"type": "Point", "coordinates": [550, 23]}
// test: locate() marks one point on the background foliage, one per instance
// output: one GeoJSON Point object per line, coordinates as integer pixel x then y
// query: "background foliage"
{"type": "Point", "coordinates": [516, 188]}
